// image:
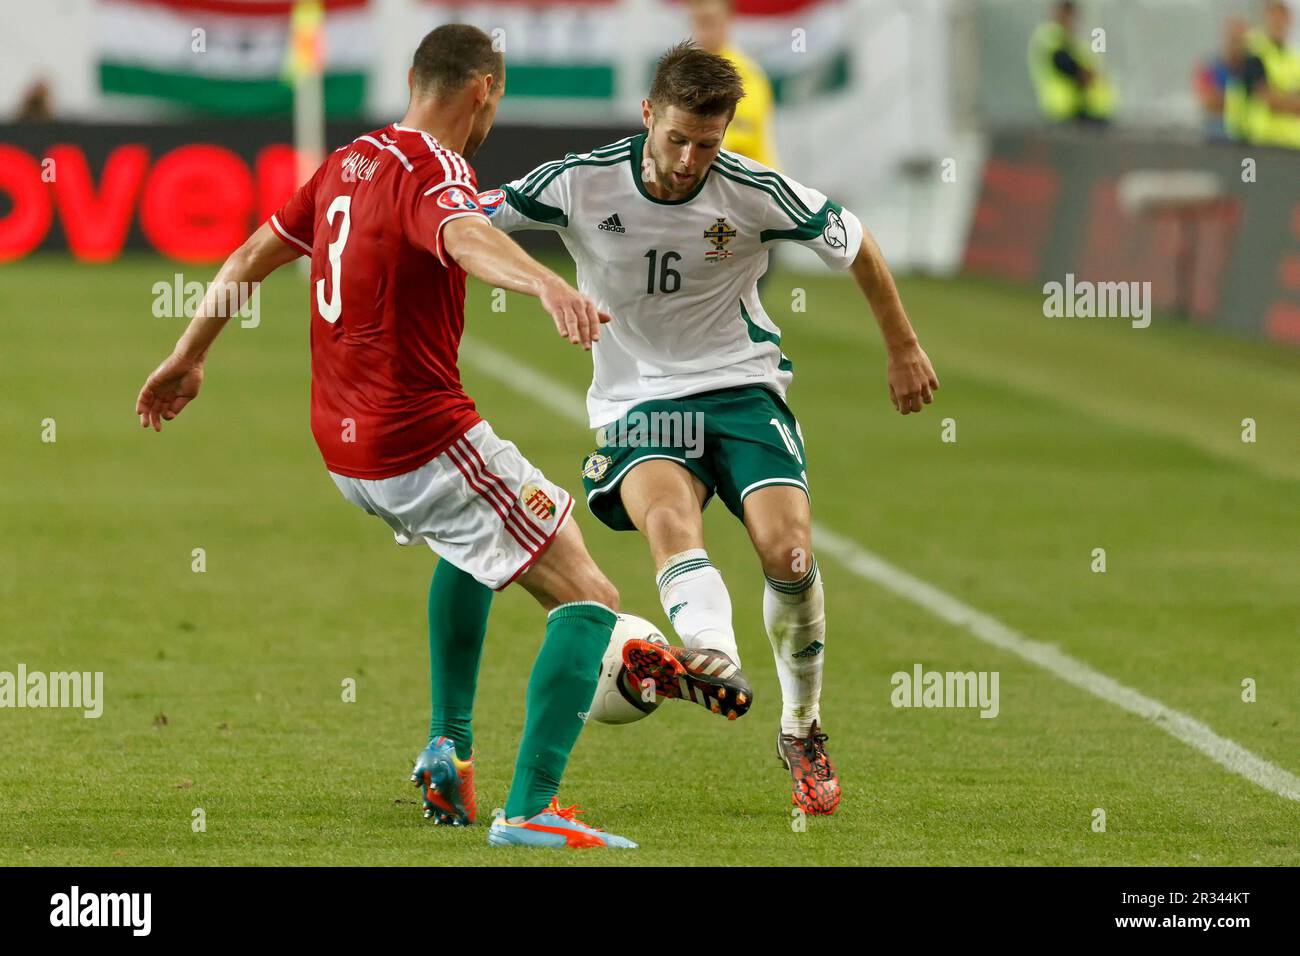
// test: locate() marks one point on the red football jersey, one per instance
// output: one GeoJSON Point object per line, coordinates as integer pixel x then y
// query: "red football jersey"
{"type": "Point", "coordinates": [387, 307]}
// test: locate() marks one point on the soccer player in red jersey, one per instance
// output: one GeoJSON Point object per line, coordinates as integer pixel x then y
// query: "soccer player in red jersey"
{"type": "Point", "coordinates": [392, 224]}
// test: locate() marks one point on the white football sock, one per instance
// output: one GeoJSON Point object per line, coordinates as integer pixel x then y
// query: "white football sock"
{"type": "Point", "coordinates": [697, 603]}
{"type": "Point", "coordinates": [795, 615]}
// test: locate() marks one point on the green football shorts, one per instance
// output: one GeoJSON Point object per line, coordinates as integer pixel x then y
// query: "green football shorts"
{"type": "Point", "coordinates": [735, 440]}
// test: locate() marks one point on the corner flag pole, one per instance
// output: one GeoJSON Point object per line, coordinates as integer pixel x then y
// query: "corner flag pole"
{"type": "Point", "coordinates": [306, 69]}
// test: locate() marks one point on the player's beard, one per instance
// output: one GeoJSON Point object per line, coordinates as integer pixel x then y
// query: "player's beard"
{"type": "Point", "coordinates": [663, 177]}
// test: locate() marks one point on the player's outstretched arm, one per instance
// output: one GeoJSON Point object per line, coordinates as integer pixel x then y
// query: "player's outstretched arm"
{"type": "Point", "coordinates": [498, 260]}
{"type": "Point", "coordinates": [912, 381]}
{"type": "Point", "coordinates": [176, 382]}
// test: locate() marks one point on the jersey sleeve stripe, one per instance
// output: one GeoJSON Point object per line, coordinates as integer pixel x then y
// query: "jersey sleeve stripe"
{"type": "Point", "coordinates": [278, 228]}
{"type": "Point", "coordinates": [447, 171]}
{"type": "Point", "coordinates": [805, 230]}
{"type": "Point", "coordinates": [608, 160]}
{"type": "Point", "coordinates": [450, 182]}
{"type": "Point", "coordinates": [392, 149]}
{"type": "Point", "coordinates": [797, 219]}
{"type": "Point", "coordinates": [428, 140]}
{"type": "Point", "coordinates": [612, 148]}
{"type": "Point", "coordinates": [537, 211]}
{"type": "Point", "coordinates": [453, 164]}
{"type": "Point", "coordinates": [623, 143]}
{"type": "Point", "coordinates": [768, 176]}
{"type": "Point", "coordinates": [528, 186]}
{"type": "Point", "coordinates": [539, 171]}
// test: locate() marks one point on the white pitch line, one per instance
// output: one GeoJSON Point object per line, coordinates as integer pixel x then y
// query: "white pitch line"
{"type": "Point", "coordinates": [559, 398]}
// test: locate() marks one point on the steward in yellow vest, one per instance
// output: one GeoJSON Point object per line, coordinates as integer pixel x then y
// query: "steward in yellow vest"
{"type": "Point", "coordinates": [1067, 77]}
{"type": "Point", "coordinates": [1262, 104]}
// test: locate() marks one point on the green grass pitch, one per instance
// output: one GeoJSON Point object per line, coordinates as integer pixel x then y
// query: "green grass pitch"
{"type": "Point", "coordinates": [224, 688]}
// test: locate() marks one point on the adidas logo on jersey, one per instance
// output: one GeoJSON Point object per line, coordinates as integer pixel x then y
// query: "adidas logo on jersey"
{"type": "Point", "coordinates": [612, 224]}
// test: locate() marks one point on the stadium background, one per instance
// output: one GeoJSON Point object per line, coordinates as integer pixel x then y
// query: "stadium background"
{"type": "Point", "coordinates": [919, 115]}
{"type": "Point", "coordinates": [873, 98]}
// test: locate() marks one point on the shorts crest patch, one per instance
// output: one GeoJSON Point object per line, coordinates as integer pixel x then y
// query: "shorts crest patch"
{"type": "Point", "coordinates": [538, 502]}
{"type": "Point", "coordinates": [596, 465]}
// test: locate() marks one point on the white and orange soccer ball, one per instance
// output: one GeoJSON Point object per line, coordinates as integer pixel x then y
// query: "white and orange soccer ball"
{"type": "Point", "coordinates": [618, 699]}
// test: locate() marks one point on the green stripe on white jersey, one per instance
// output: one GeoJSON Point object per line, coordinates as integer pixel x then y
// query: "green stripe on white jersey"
{"type": "Point", "coordinates": [680, 277]}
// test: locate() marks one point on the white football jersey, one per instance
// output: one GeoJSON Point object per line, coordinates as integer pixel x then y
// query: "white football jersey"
{"type": "Point", "coordinates": [679, 277]}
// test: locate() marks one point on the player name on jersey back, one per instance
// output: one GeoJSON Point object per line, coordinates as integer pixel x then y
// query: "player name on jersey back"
{"type": "Point", "coordinates": [387, 304]}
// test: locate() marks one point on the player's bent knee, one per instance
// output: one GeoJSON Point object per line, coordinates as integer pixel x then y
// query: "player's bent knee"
{"type": "Point", "coordinates": [672, 525]}
{"type": "Point", "coordinates": [785, 557]}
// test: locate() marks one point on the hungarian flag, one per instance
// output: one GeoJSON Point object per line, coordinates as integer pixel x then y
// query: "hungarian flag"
{"type": "Point", "coordinates": [585, 51]}
{"type": "Point", "coordinates": [233, 57]}
{"type": "Point", "coordinates": [554, 49]}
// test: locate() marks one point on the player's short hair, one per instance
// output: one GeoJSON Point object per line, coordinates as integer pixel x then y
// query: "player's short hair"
{"type": "Point", "coordinates": [701, 83]}
{"type": "Point", "coordinates": [452, 55]}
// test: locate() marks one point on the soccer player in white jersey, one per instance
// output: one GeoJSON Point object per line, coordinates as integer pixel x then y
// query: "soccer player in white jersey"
{"type": "Point", "coordinates": [670, 234]}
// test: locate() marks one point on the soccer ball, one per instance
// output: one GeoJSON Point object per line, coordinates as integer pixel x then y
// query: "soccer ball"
{"type": "Point", "coordinates": [618, 700]}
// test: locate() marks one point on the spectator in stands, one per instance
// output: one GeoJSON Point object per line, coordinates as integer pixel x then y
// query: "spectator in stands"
{"type": "Point", "coordinates": [35, 105]}
{"type": "Point", "coordinates": [1263, 103]}
{"type": "Point", "coordinates": [1215, 77]}
{"type": "Point", "coordinates": [1067, 76]}
{"type": "Point", "coordinates": [750, 132]}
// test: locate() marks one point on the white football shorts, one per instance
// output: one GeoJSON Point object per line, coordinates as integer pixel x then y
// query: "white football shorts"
{"type": "Point", "coordinates": [480, 505]}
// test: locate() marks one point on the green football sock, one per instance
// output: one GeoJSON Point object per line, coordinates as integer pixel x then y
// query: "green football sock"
{"type": "Point", "coordinates": [560, 691]}
{"type": "Point", "coordinates": [458, 616]}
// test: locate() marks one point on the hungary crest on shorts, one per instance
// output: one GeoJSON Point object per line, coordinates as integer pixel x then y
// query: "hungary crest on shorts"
{"type": "Point", "coordinates": [538, 502]}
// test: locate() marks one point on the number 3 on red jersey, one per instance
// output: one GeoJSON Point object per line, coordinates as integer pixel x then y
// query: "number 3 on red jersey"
{"type": "Point", "coordinates": [331, 306]}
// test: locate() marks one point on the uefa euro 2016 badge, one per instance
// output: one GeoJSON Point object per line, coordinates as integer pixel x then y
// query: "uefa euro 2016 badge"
{"type": "Point", "coordinates": [456, 199]}
{"type": "Point", "coordinates": [596, 465]}
{"type": "Point", "coordinates": [538, 502]}
{"type": "Point", "coordinates": [719, 234]}
{"type": "Point", "coordinates": [491, 201]}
